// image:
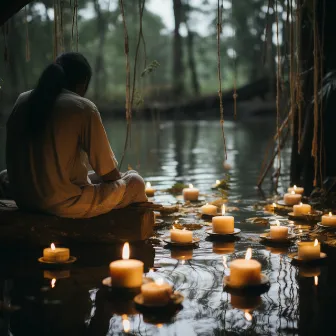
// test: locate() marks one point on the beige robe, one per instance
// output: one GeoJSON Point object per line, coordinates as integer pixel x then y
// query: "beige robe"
{"type": "Point", "coordinates": [51, 175]}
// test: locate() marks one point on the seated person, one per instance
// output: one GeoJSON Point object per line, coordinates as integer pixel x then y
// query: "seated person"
{"type": "Point", "coordinates": [49, 133]}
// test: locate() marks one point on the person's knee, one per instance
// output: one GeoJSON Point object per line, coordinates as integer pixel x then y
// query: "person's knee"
{"type": "Point", "coordinates": [136, 182]}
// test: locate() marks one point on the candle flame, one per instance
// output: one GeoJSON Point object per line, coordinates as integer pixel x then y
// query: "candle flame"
{"type": "Point", "coordinates": [53, 283]}
{"type": "Point", "coordinates": [191, 186]}
{"type": "Point", "coordinates": [300, 231]}
{"type": "Point", "coordinates": [248, 254]}
{"type": "Point", "coordinates": [217, 182]}
{"type": "Point", "coordinates": [224, 262]}
{"type": "Point", "coordinates": [159, 281]}
{"type": "Point", "coordinates": [315, 242]}
{"type": "Point", "coordinates": [126, 323]}
{"type": "Point", "coordinates": [173, 227]}
{"type": "Point", "coordinates": [126, 251]}
{"type": "Point", "coordinates": [248, 316]}
{"type": "Point", "coordinates": [182, 262]}
{"type": "Point", "coordinates": [300, 204]}
{"type": "Point", "coordinates": [148, 185]}
{"type": "Point", "coordinates": [315, 280]}
{"type": "Point", "coordinates": [223, 210]}
{"type": "Point", "coordinates": [274, 205]}
{"type": "Point", "coordinates": [330, 214]}
{"type": "Point", "coordinates": [294, 187]}
{"type": "Point", "coordinates": [53, 247]}
{"type": "Point", "coordinates": [293, 192]}
{"type": "Point", "coordinates": [159, 325]}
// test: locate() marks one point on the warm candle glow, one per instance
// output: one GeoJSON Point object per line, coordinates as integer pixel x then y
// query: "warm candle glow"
{"type": "Point", "coordinates": [191, 186]}
{"type": "Point", "coordinates": [126, 324]}
{"type": "Point", "coordinates": [248, 316]}
{"type": "Point", "coordinates": [315, 242]}
{"type": "Point", "coordinates": [330, 214]}
{"type": "Point", "coordinates": [53, 283]}
{"type": "Point", "coordinates": [293, 192]}
{"type": "Point", "coordinates": [53, 247]}
{"type": "Point", "coordinates": [248, 254]}
{"type": "Point", "coordinates": [159, 281]}
{"type": "Point", "coordinates": [224, 262]}
{"type": "Point", "coordinates": [159, 325]}
{"type": "Point", "coordinates": [315, 280]}
{"type": "Point", "coordinates": [277, 223]}
{"type": "Point", "coordinates": [300, 204]}
{"type": "Point", "coordinates": [126, 251]}
{"type": "Point", "coordinates": [182, 262]}
{"type": "Point", "coordinates": [217, 182]}
{"type": "Point", "coordinates": [274, 205]}
{"type": "Point", "coordinates": [295, 187]}
{"type": "Point", "coordinates": [176, 222]}
{"type": "Point", "coordinates": [148, 185]}
{"type": "Point", "coordinates": [223, 210]}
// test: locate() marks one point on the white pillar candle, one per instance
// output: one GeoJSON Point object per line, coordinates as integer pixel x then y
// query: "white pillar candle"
{"type": "Point", "coordinates": [181, 236]}
{"type": "Point", "coordinates": [292, 198]}
{"type": "Point", "coordinates": [309, 250]}
{"type": "Point", "coordinates": [209, 209]}
{"type": "Point", "coordinates": [297, 190]}
{"type": "Point", "coordinates": [278, 231]}
{"type": "Point", "coordinates": [156, 293]}
{"type": "Point", "coordinates": [223, 224]}
{"type": "Point", "coordinates": [245, 272]}
{"type": "Point", "coordinates": [329, 219]}
{"type": "Point", "coordinates": [56, 254]}
{"type": "Point", "coordinates": [127, 273]}
{"type": "Point", "coordinates": [191, 193]}
{"type": "Point", "coordinates": [150, 191]}
{"type": "Point", "coordinates": [301, 209]}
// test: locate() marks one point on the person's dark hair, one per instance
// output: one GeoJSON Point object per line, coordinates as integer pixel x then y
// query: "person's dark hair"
{"type": "Point", "coordinates": [68, 71]}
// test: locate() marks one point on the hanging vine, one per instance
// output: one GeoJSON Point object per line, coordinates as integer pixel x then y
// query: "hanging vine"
{"type": "Point", "coordinates": [235, 95]}
{"type": "Point", "coordinates": [219, 31]}
{"type": "Point", "coordinates": [27, 36]}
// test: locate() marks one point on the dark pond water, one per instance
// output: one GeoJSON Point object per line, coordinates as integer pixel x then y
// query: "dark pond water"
{"type": "Point", "coordinates": [165, 153]}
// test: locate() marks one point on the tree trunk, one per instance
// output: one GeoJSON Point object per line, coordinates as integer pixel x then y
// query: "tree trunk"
{"type": "Point", "coordinates": [178, 73]}
{"type": "Point", "coordinates": [192, 64]}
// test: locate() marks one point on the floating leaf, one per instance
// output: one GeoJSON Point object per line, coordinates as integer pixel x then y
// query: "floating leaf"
{"type": "Point", "coordinates": [177, 188]}
{"type": "Point", "coordinates": [219, 202]}
{"type": "Point", "coordinates": [258, 220]}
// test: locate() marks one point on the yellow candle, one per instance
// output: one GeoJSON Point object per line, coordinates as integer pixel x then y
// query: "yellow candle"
{"type": "Point", "coordinates": [292, 198]}
{"type": "Point", "coordinates": [150, 191]}
{"type": "Point", "coordinates": [191, 193]}
{"type": "Point", "coordinates": [126, 273]}
{"type": "Point", "coordinates": [301, 209]}
{"type": "Point", "coordinates": [223, 247]}
{"type": "Point", "coordinates": [223, 224]}
{"type": "Point", "coordinates": [309, 250]}
{"type": "Point", "coordinates": [278, 232]}
{"type": "Point", "coordinates": [181, 236]}
{"type": "Point", "coordinates": [297, 190]}
{"type": "Point", "coordinates": [245, 272]}
{"type": "Point", "coordinates": [156, 293]}
{"type": "Point", "coordinates": [329, 219]}
{"type": "Point", "coordinates": [209, 209]}
{"type": "Point", "coordinates": [56, 254]}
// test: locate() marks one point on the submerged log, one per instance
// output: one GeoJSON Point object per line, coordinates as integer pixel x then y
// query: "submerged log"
{"type": "Point", "coordinates": [131, 224]}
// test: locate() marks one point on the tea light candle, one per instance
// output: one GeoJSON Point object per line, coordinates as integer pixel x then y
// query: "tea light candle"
{"type": "Point", "coordinates": [209, 209]}
{"type": "Point", "coordinates": [150, 191]}
{"type": "Point", "coordinates": [278, 232]}
{"type": "Point", "coordinates": [56, 254]}
{"type": "Point", "coordinates": [297, 190]}
{"type": "Point", "coordinates": [301, 209]}
{"type": "Point", "coordinates": [191, 193]}
{"type": "Point", "coordinates": [181, 236]}
{"type": "Point", "coordinates": [244, 272]}
{"type": "Point", "coordinates": [157, 292]}
{"type": "Point", "coordinates": [223, 224]}
{"type": "Point", "coordinates": [329, 219]}
{"type": "Point", "coordinates": [309, 250]}
{"type": "Point", "coordinates": [292, 198]}
{"type": "Point", "coordinates": [126, 273]}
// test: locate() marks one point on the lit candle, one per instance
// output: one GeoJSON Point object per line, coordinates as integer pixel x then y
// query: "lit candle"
{"type": "Point", "coordinates": [191, 193]}
{"type": "Point", "coordinates": [309, 250]}
{"type": "Point", "coordinates": [209, 209]}
{"type": "Point", "coordinates": [126, 273]}
{"type": "Point", "coordinates": [218, 182]}
{"type": "Point", "coordinates": [329, 219]}
{"type": "Point", "coordinates": [301, 209]}
{"type": "Point", "coordinates": [292, 198]}
{"type": "Point", "coordinates": [181, 236]}
{"type": "Point", "coordinates": [245, 272]}
{"type": "Point", "coordinates": [150, 191]}
{"type": "Point", "coordinates": [223, 224]}
{"type": "Point", "coordinates": [56, 254]}
{"type": "Point", "coordinates": [157, 292]}
{"type": "Point", "coordinates": [278, 232]}
{"type": "Point", "coordinates": [181, 254]}
{"type": "Point", "coordinates": [223, 247]}
{"type": "Point", "coordinates": [297, 190]}
{"type": "Point", "coordinates": [126, 323]}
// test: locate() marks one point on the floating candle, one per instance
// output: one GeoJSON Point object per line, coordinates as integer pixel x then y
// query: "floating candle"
{"type": "Point", "coordinates": [56, 254]}
{"type": "Point", "coordinates": [278, 232]}
{"type": "Point", "coordinates": [245, 272]}
{"type": "Point", "coordinates": [156, 293]}
{"type": "Point", "coordinates": [297, 190]}
{"type": "Point", "coordinates": [292, 198]}
{"type": "Point", "coordinates": [223, 224]}
{"type": "Point", "coordinates": [126, 273]}
{"type": "Point", "coordinates": [209, 209]}
{"type": "Point", "coordinates": [309, 250]}
{"type": "Point", "coordinates": [150, 191]}
{"type": "Point", "coordinates": [301, 209]}
{"type": "Point", "coordinates": [329, 219]}
{"type": "Point", "coordinates": [181, 236]}
{"type": "Point", "coordinates": [191, 193]}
